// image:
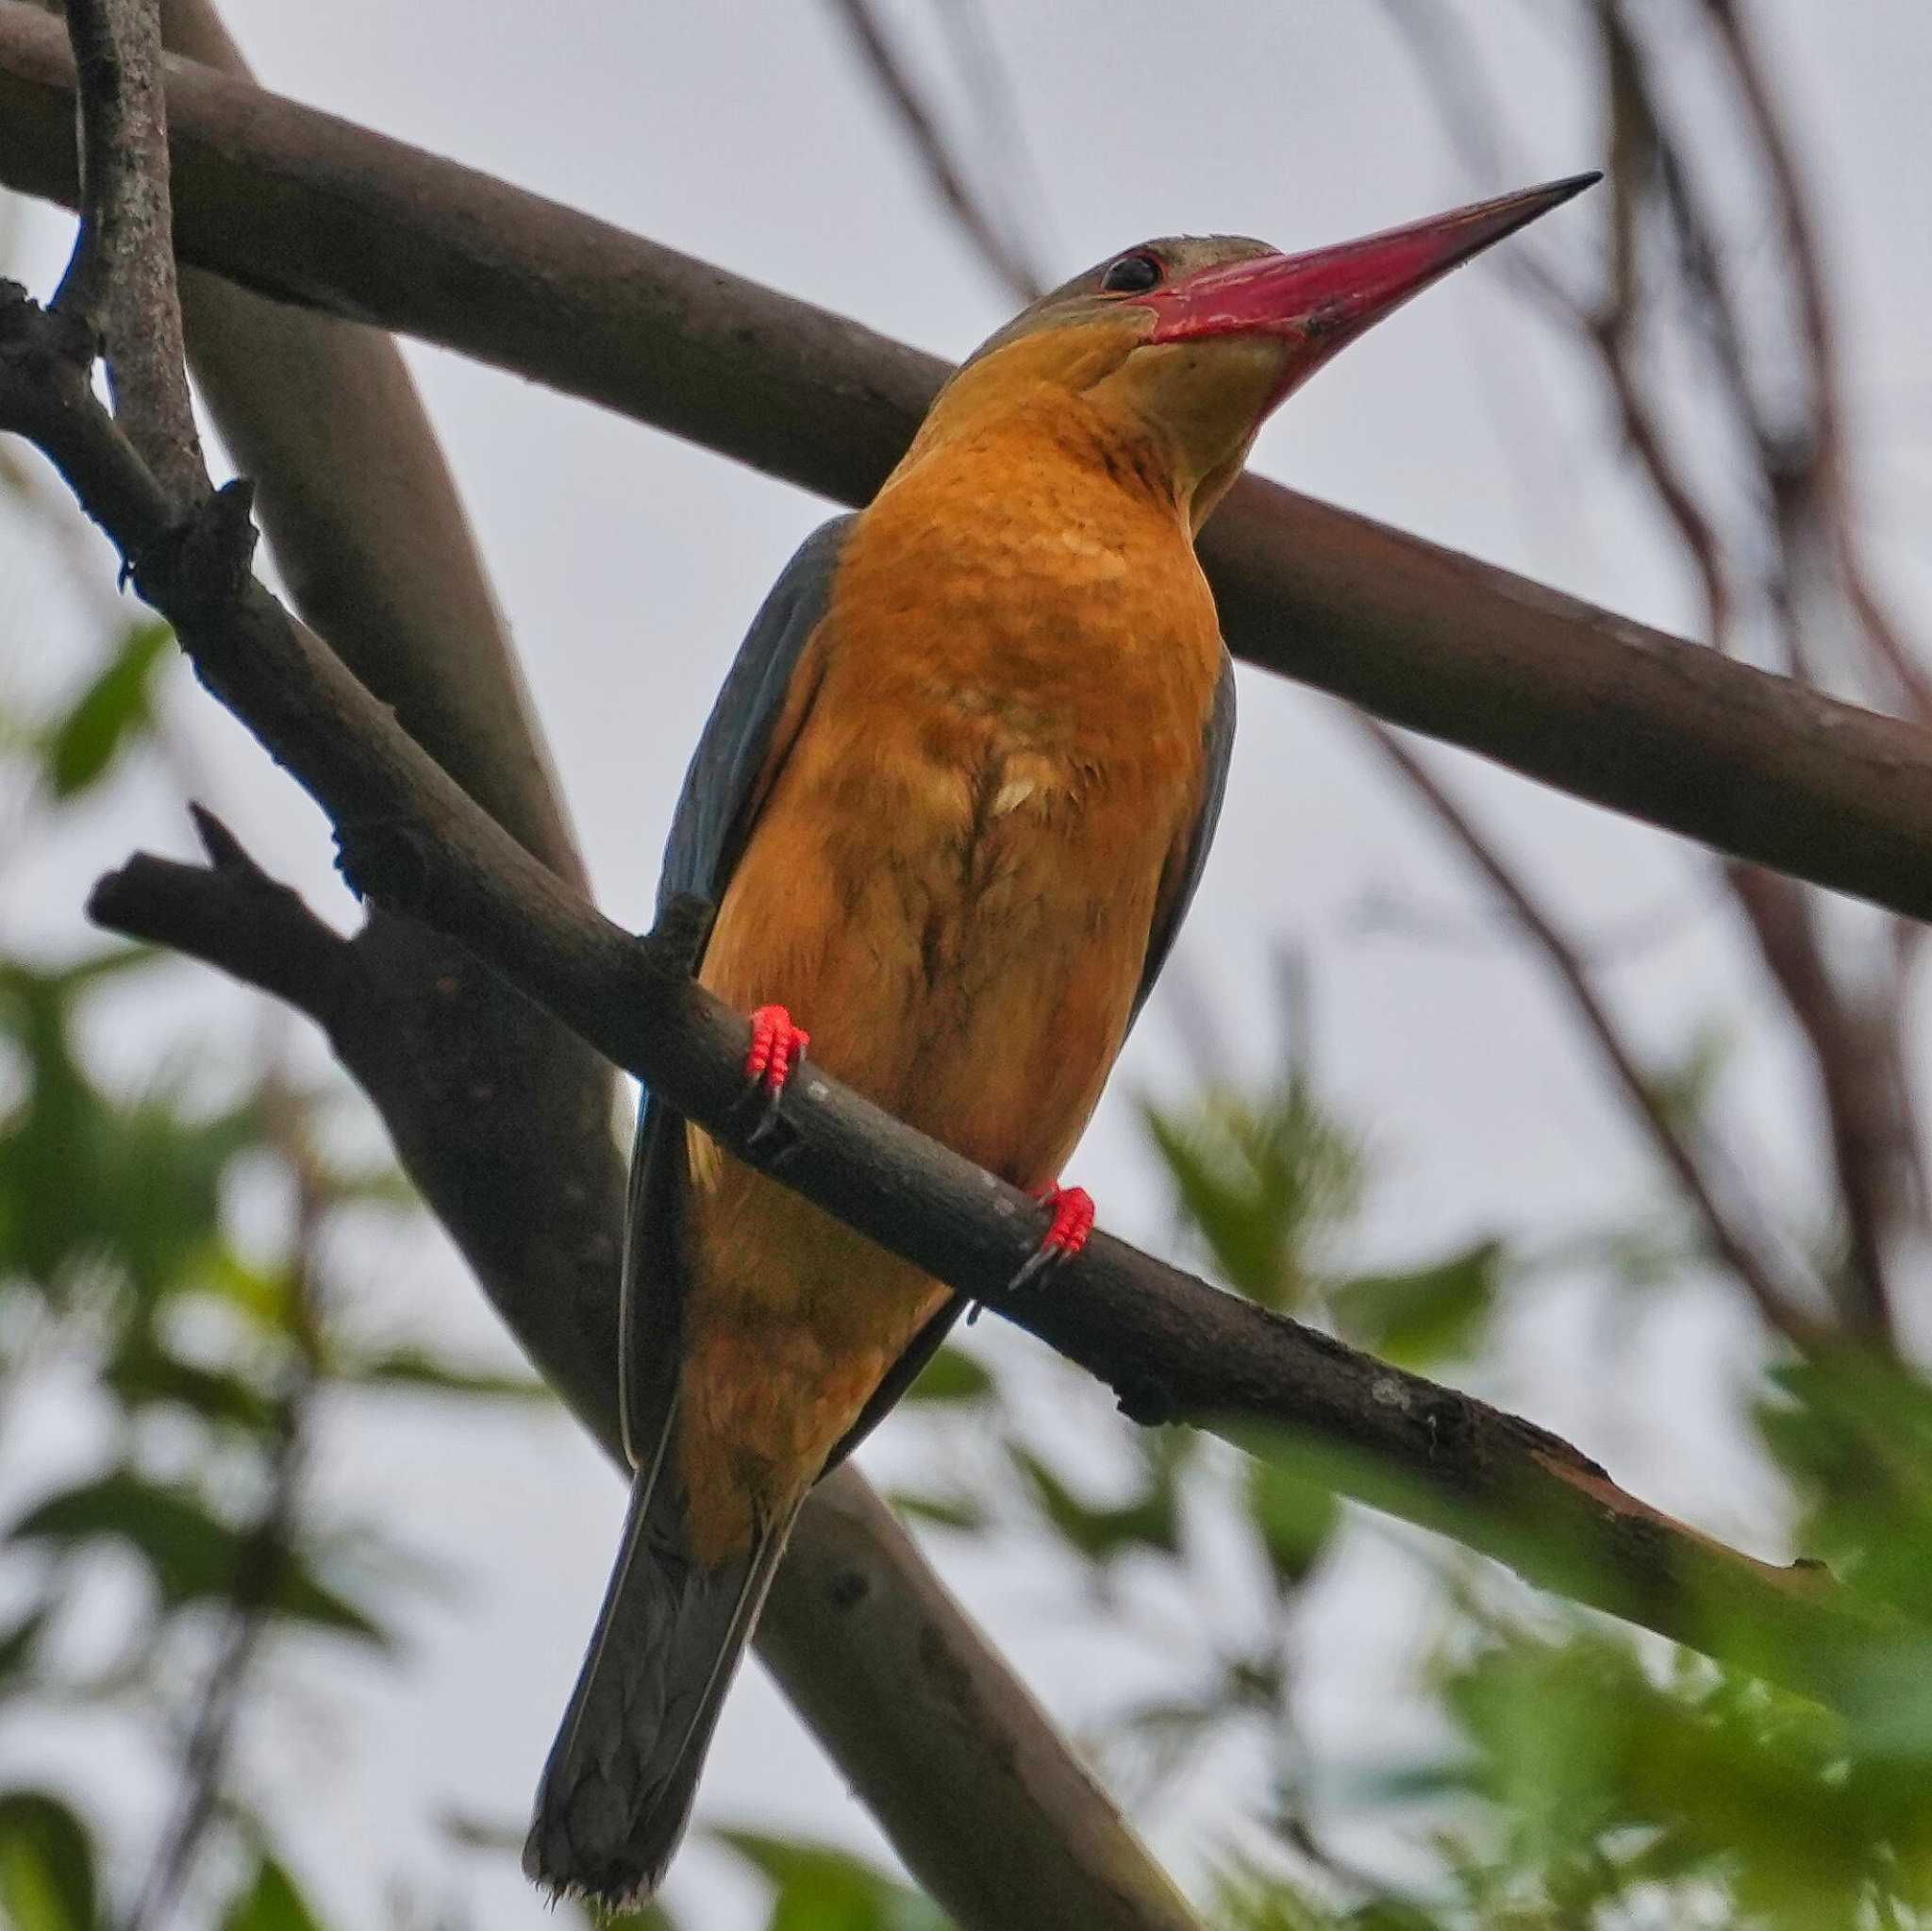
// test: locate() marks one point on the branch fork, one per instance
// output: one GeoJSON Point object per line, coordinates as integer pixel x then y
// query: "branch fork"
{"type": "Point", "coordinates": [1169, 1345]}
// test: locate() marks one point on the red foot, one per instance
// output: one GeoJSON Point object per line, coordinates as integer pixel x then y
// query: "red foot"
{"type": "Point", "coordinates": [1073, 1220]}
{"type": "Point", "coordinates": [776, 1047]}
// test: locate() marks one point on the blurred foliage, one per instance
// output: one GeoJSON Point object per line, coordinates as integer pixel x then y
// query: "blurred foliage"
{"type": "Point", "coordinates": [1592, 1775]}
{"type": "Point", "coordinates": [815, 1888]}
{"type": "Point", "coordinates": [1565, 1772]}
{"type": "Point", "coordinates": [1557, 1771]}
{"type": "Point", "coordinates": [1568, 1771]}
{"type": "Point", "coordinates": [151, 1576]}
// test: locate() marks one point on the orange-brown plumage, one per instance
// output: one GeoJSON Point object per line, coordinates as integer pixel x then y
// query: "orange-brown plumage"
{"type": "Point", "coordinates": [951, 805]}
{"type": "Point", "coordinates": [955, 875]}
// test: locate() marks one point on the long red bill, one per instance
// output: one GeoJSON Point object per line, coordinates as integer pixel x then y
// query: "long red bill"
{"type": "Point", "coordinates": [1325, 299]}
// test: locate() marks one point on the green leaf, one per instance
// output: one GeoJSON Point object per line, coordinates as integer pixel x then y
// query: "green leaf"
{"type": "Point", "coordinates": [271, 1902]}
{"type": "Point", "coordinates": [1151, 1519]}
{"type": "Point", "coordinates": [17, 1648]}
{"type": "Point", "coordinates": [1685, 1088]}
{"type": "Point", "coordinates": [815, 1888]}
{"type": "Point", "coordinates": [1855, 1438]}
{"type": "Point", "coordinates": [144, 1374]}
{"type": "Point", "coordinates": [1295, 1519]}
{"type": "Point", "coordinates": [1261, 1181]}
{"type": "Point", "coordinates": [47, 1865]}
{"type": "Point", "coordinates": [953, 1375]}
{"type": "Point", "coordinates": [192, 1556]}
{"type": "Point", "coordinates": [83, 1178]}
{"type": "Point", "coordinates": [956, 1511]}
{"type": "Point", "coordinates": [113, 708]}
{"type": "Point", "coordinates": [1427, 1316]}
{"type": "Point", "coordinates": [417, 1368]}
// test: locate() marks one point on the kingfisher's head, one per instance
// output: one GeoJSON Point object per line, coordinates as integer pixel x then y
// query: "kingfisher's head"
{"type": "Point", "coordinates": [1185, 346]}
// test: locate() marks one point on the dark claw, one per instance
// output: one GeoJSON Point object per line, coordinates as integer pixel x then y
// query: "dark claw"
{"type": "Point", "coordinates": [1073, 1220]}
{"type": "Point", "coordinates": [1045, 1260]}
{"type": "Point", "coordinates": [768, 1117]}
{"type": "Point", "coordinates": [777, 1047]}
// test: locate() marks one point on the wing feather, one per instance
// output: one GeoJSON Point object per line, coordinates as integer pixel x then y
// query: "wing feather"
{"type": "Point", "coordinates": [731, 773]}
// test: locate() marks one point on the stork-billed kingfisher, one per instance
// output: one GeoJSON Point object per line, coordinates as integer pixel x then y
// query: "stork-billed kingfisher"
{"type": "Point", "coordinates": [951, 806]}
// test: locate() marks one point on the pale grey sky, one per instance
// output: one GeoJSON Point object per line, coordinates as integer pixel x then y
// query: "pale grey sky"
{"type": "Point", "coordinates": [630, 563]}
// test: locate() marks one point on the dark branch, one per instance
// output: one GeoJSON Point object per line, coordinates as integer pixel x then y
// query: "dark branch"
{"type": "Point", "coordinates": [362, 515]}
{"type": "Point", "coordinates": [233, 915]}
{"type": "Point", "coordinates": [1172, 1347]}
{"type": "Point", "coordinates": [503, 1118]}
{"type": "Point", "coordinates": [858, 1622]}
{"type": "Point", "coordinates": [314, 210]}
{"type": "Point", "coordinates": [120, 285]}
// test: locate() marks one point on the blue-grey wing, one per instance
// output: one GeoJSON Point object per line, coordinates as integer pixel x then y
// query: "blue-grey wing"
{"type": "Point", "coordinates": [714, 817]}
{"type": "Point", "coordinates": [705, 834]}
{"type": "Point", "coordinates": [1179, 887]}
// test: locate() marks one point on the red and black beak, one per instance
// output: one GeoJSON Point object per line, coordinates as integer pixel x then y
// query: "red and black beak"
{"type": "Point", "coordinates": [1320, 302]}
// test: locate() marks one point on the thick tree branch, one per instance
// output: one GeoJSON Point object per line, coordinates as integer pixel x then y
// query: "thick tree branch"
{"type": "Point", "coordinates": [314, 210]}
{"type": "Point", "coordinates": [946, 1748]}
{"type": "Point", "coordinates": [504, 1118]}
{"type": "Point", "coordinates": [357, 500]}
{"type": "Point", "coordinates": [1172, 1347]}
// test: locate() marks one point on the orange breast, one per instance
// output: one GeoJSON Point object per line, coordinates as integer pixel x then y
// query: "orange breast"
{"type": "Point", "coordinates": [951, 884]}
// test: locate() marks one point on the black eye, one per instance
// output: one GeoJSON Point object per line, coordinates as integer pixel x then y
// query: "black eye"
{"type": "Point", "coordinates": [1132, 274]}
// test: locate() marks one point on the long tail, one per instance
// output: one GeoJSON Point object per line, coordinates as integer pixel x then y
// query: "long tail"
{"type": "Point", "coordinates": [617, 1791]}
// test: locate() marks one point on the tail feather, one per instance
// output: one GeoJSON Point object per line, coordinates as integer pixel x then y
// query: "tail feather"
{"type": "Point", "coordinates": [617, 1791]}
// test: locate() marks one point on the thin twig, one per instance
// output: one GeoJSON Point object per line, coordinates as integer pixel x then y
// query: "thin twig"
{"type": "Point", "coordinates": [1873, 1132]}
{"type": "Point", "coordinates": [1830, 452]}
{"type": "Point", "coordinates": [1874, 1136]}
{"type": "Point", "coordinates": [1002, 252]}
{"type": "Point", "coordinates": [1610, 710]}
{"type": "Point", "coordinates": [1854, 1049]}
{"type": "Point", "coordinates": [1780, 1303]}
{"type": "Point", "coordinates": [263, 1558]}
{"type": "Point", "coordinates": [1172, 1347]}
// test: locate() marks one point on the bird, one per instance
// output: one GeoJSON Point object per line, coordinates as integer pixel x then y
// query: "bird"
{"type": "Point", "coordinates": [951, 807]}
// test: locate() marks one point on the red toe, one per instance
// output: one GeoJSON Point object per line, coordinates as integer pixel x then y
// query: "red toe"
{"type": "Point", "coordinates": [1072, 1220]}
{"type": "Point", "coordinates": [776, 1047]}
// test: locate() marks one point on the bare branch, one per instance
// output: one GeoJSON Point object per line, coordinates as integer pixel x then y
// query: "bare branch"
{"type": "Point", "coordinates": [940, 1740]}
{"type": "Point", "coordinates": [1799, 476]}
{"type": "Point", "coordinates": [1829, 453]}
{"type": "Point", "coordinates": [1002, 252]}
{"type": "Point", "coordinates": [120, 285]}
{"type": "Point", "coordinates": [1609, 709]}
{"type": "Point", "coordinates": [1779, 1302]}
{"type": "Point", "coordinates": [1863, 1087]}
{"type": "Point", "coordinates": [1170, 1346]}
{"type": "Point", "coordinates": [363, 517]}
{"type": "Point", "coordinates": [504, 1119]}
{"type": "Point", "coordinates": [1065, 1855]}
